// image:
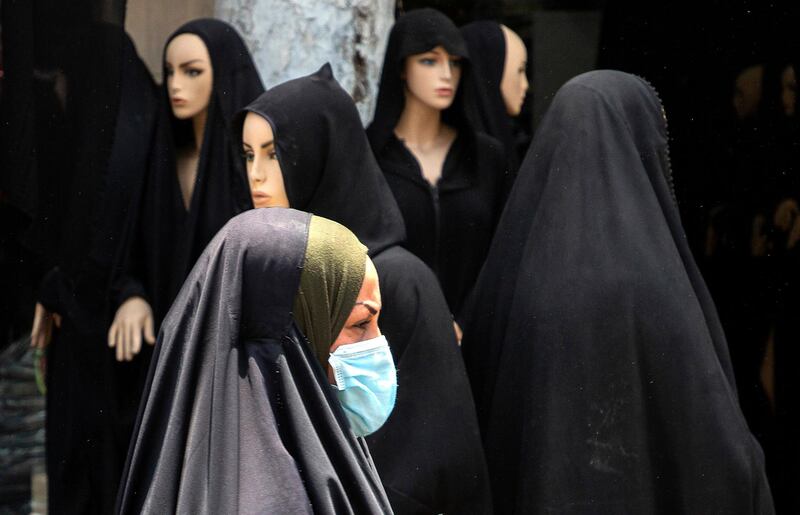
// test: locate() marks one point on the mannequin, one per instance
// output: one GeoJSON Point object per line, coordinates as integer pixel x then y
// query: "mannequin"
{"type": "Point", "coordinates": [304, 146]}
{"type": "Point", "coordinates": [209, 74]}
{"type": "Point", "coordinates": [446, 176]}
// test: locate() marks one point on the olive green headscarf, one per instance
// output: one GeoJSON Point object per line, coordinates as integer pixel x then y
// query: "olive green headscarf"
{"type": "Point", "coordinates": [334, 270]}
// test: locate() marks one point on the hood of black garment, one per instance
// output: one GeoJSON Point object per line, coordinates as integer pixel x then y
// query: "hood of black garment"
{"type": "Point", "coordinates": [339, 179]}
{"type": "Point", "coordinates": [487, 48]}
{"type": "Point", "coordinates": [238, 416]}
{"type": "Point", "coordinates": [600, 368]}
{"type": "Point", "coordinates": [415, 32]}
{"type": "Point", "coordinates": [172, 237]}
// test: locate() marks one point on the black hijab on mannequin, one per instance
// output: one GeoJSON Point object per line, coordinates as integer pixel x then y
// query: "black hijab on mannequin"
{"type": "Point", "coordinates": [171, 236]}
{"type": "Point", "coordinates": [416, 32]}
{"type": "Point", "coordinates": [329, 170]}
{"type": "Point", "coordinates": [601, 371]}
{"type": "Point", "coordinates": [487, 47]}
{"type": "Point", "coordinates": [238, 416]}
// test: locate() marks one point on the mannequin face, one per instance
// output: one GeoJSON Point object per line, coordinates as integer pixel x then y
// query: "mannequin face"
{"type": "Point", "coordinates": [189, 76]}
{"type": "Point", "coordinates": [514, 85]}
{"type": "Point", "coordinates": [789, 91]}
{"type": "Point", "coordinates": [432, 78]}
{"type": "Point", "coordinates": [747, 93]}
{"type": "Point", "coordinates": [263, 169]}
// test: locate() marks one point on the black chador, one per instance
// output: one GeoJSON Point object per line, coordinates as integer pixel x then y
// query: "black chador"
{"type": "Point", "coordinates": [450, 225]}
{"type": "Point", "coordinates": [600, 368]}
{"type": "Point", "coordinates": [171, 237]}
{"type": "Point", "coordinates": [428, 453]}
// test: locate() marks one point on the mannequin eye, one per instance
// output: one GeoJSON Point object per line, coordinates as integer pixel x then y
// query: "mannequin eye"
{"type": "Point", "coordinates": [427, 61]}
{"type": "Point", "coordinates": [170, 72]}
{"type": "Point", "coordinates": [248, 156]}
{"type": "Point", "coordinates": [455, 63]}
{"type": "Point", "coordinates": [273, 155]}
{"type": "Point", "coordinates": [193, 72]}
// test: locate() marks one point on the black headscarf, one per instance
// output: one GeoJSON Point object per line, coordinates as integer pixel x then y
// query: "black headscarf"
{"type": "Point", "coordinates": [238, 415]}
{"type": "Point", "coordinates": [602, 371]}
{"type": "Point", "coordinates": [171, 238]}
{"type": "Point", "coordinates": [487, 48]}
{"type": "Point", "coordinates": [338, 180]}
{"type": "Point", "coordinates": [415, 32]}
{"type": "Point", "coordinates": [329, 170]}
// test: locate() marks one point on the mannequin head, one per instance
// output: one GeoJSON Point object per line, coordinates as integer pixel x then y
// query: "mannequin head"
{"type": "Point", "coordinates": [263, 169]}
{"type": "Point", "coordinates": [514, 84]}
{"type": "Point", "coordinates": [189, 76]}
{"type": "Point", "coordinates": [789, 91]}
{"type": "Point", "coordinates": [431, 78]}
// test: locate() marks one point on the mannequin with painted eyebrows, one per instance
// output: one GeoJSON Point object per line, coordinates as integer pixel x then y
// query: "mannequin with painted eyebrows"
{"type": "Point", "coordinates": [196, 182]}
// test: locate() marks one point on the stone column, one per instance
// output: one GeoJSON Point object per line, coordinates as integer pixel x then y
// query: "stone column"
{"type": "Point", "coordinates": [290, 38]}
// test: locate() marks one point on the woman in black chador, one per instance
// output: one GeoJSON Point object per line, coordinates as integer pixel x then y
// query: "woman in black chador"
{"type": "Point", "coordinates": [446, 176]}
{"type": "Point", "coordinates": [271, 349]}
{"type": "Point", "coordinates": [196, 180]}
{"type": "Point", "coordinates": [305, 148]}
{"type": "Point", "coordinates": [600, 368]}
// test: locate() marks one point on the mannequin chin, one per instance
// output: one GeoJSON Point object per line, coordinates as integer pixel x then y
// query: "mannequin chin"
{"type": "Point", "coordinates": [514, 84]}
{"type": "Point", "coordinates": [263, 169]}
{"type": "Point", "coordinates": [432, 78]}
{"type": "Point", "coordinates": [189, 76]}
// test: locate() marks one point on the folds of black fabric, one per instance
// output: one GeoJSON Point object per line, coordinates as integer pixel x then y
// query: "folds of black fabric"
{"type": "Point", "coordinates": [449, 226]}
{"type": "Point", "coordinates": [601, 371]}
{"type": "Point", "coordinates": [487, 49]}
{"type": "Point", "coordinates": [238, 416]}
{"type": "Point", "coordinates": [170, 237]}
{"type": "Point", "coordinates": [92, 399]}
{"type": "Point", "coordinates": [428, 453]}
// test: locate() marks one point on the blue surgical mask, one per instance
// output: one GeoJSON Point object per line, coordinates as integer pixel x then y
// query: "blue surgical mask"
{"type": "Point", "coordinates": [366, 383]}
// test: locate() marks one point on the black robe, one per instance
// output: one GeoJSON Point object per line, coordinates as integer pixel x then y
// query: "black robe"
{"type": "Point", "coordinates": [238, 416]}
{"type": "Point", "coordinates": [170, 237]}
{"type": "Point", "coordinates": [91, 398]}
{"type": "Point", "coordinates": [449, 225]}
{"type": "Point", "coordinates": [428, 452]}
{"type": "Point", "coordinates": [601, 370]}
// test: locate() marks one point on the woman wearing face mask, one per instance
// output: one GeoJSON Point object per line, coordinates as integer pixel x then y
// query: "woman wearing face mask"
{"type": "Point", "coordinates": [305, 148]}
{"type": "Point", "coordinates": [607, 387]}
{"type": "Point", "coordinates": [499, 64]}
{"type": "Point", "coordinates": [196, 180]}
{"type": "Point", "coordinates": [268, 362]}
{"type": "Point", "coordinates": [446, 176]}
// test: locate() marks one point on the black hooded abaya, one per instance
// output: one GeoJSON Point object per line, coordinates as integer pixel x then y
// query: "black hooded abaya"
{"type": "Point", "coordinates": [238, 415]}
{"type": "Point", "coordinates": [449, 226]}
{"type": "Point", "coordinates": [600, 367]}
{"type": "Point", "coordinates": [170, 237]}
{"type": "Point", "coordinates": [428, 452]}
{"type": "Point", "coordinates": [487, 49]}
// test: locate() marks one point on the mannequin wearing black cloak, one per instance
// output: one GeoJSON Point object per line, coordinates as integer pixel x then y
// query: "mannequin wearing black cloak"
{"type": "Point", "coordinates": [92, 399]}
{"type": "Point", "coordinates": [238, 414]}
{"type": "Point", "coordinates": [170, 235]}
{"type": "Point", "coordinates": [450, 225]}
{"type": "Point", "coordinates": [488, 45]}
{"type": "Point", "coordinates": [428, 453]}
{"type": "Point", "coordinates": [601, 371]}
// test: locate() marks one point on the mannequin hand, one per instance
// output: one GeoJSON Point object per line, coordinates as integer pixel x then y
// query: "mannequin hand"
{"type": "Point", "coordinates": [786, 213]}
{"type": "Point", "coordinates": [133, 318]}
{"type": "Point", "coordinates": [459, 333]}
{"type": "Point", "coordinates": [42, 331]}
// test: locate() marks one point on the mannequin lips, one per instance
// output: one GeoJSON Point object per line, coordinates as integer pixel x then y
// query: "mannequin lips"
{"type": "Point", "coordinates": [178, 101]}
{"type": "Point", "coordinates": [444, 92]}
{"type": "Point", "coordinates": [260, 196]}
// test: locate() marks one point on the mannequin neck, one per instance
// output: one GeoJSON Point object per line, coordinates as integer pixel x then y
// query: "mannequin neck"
{"type": "Point", "coordinates": [199, 127]}
{"type": "Point", "coordinates": [420, 125]}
